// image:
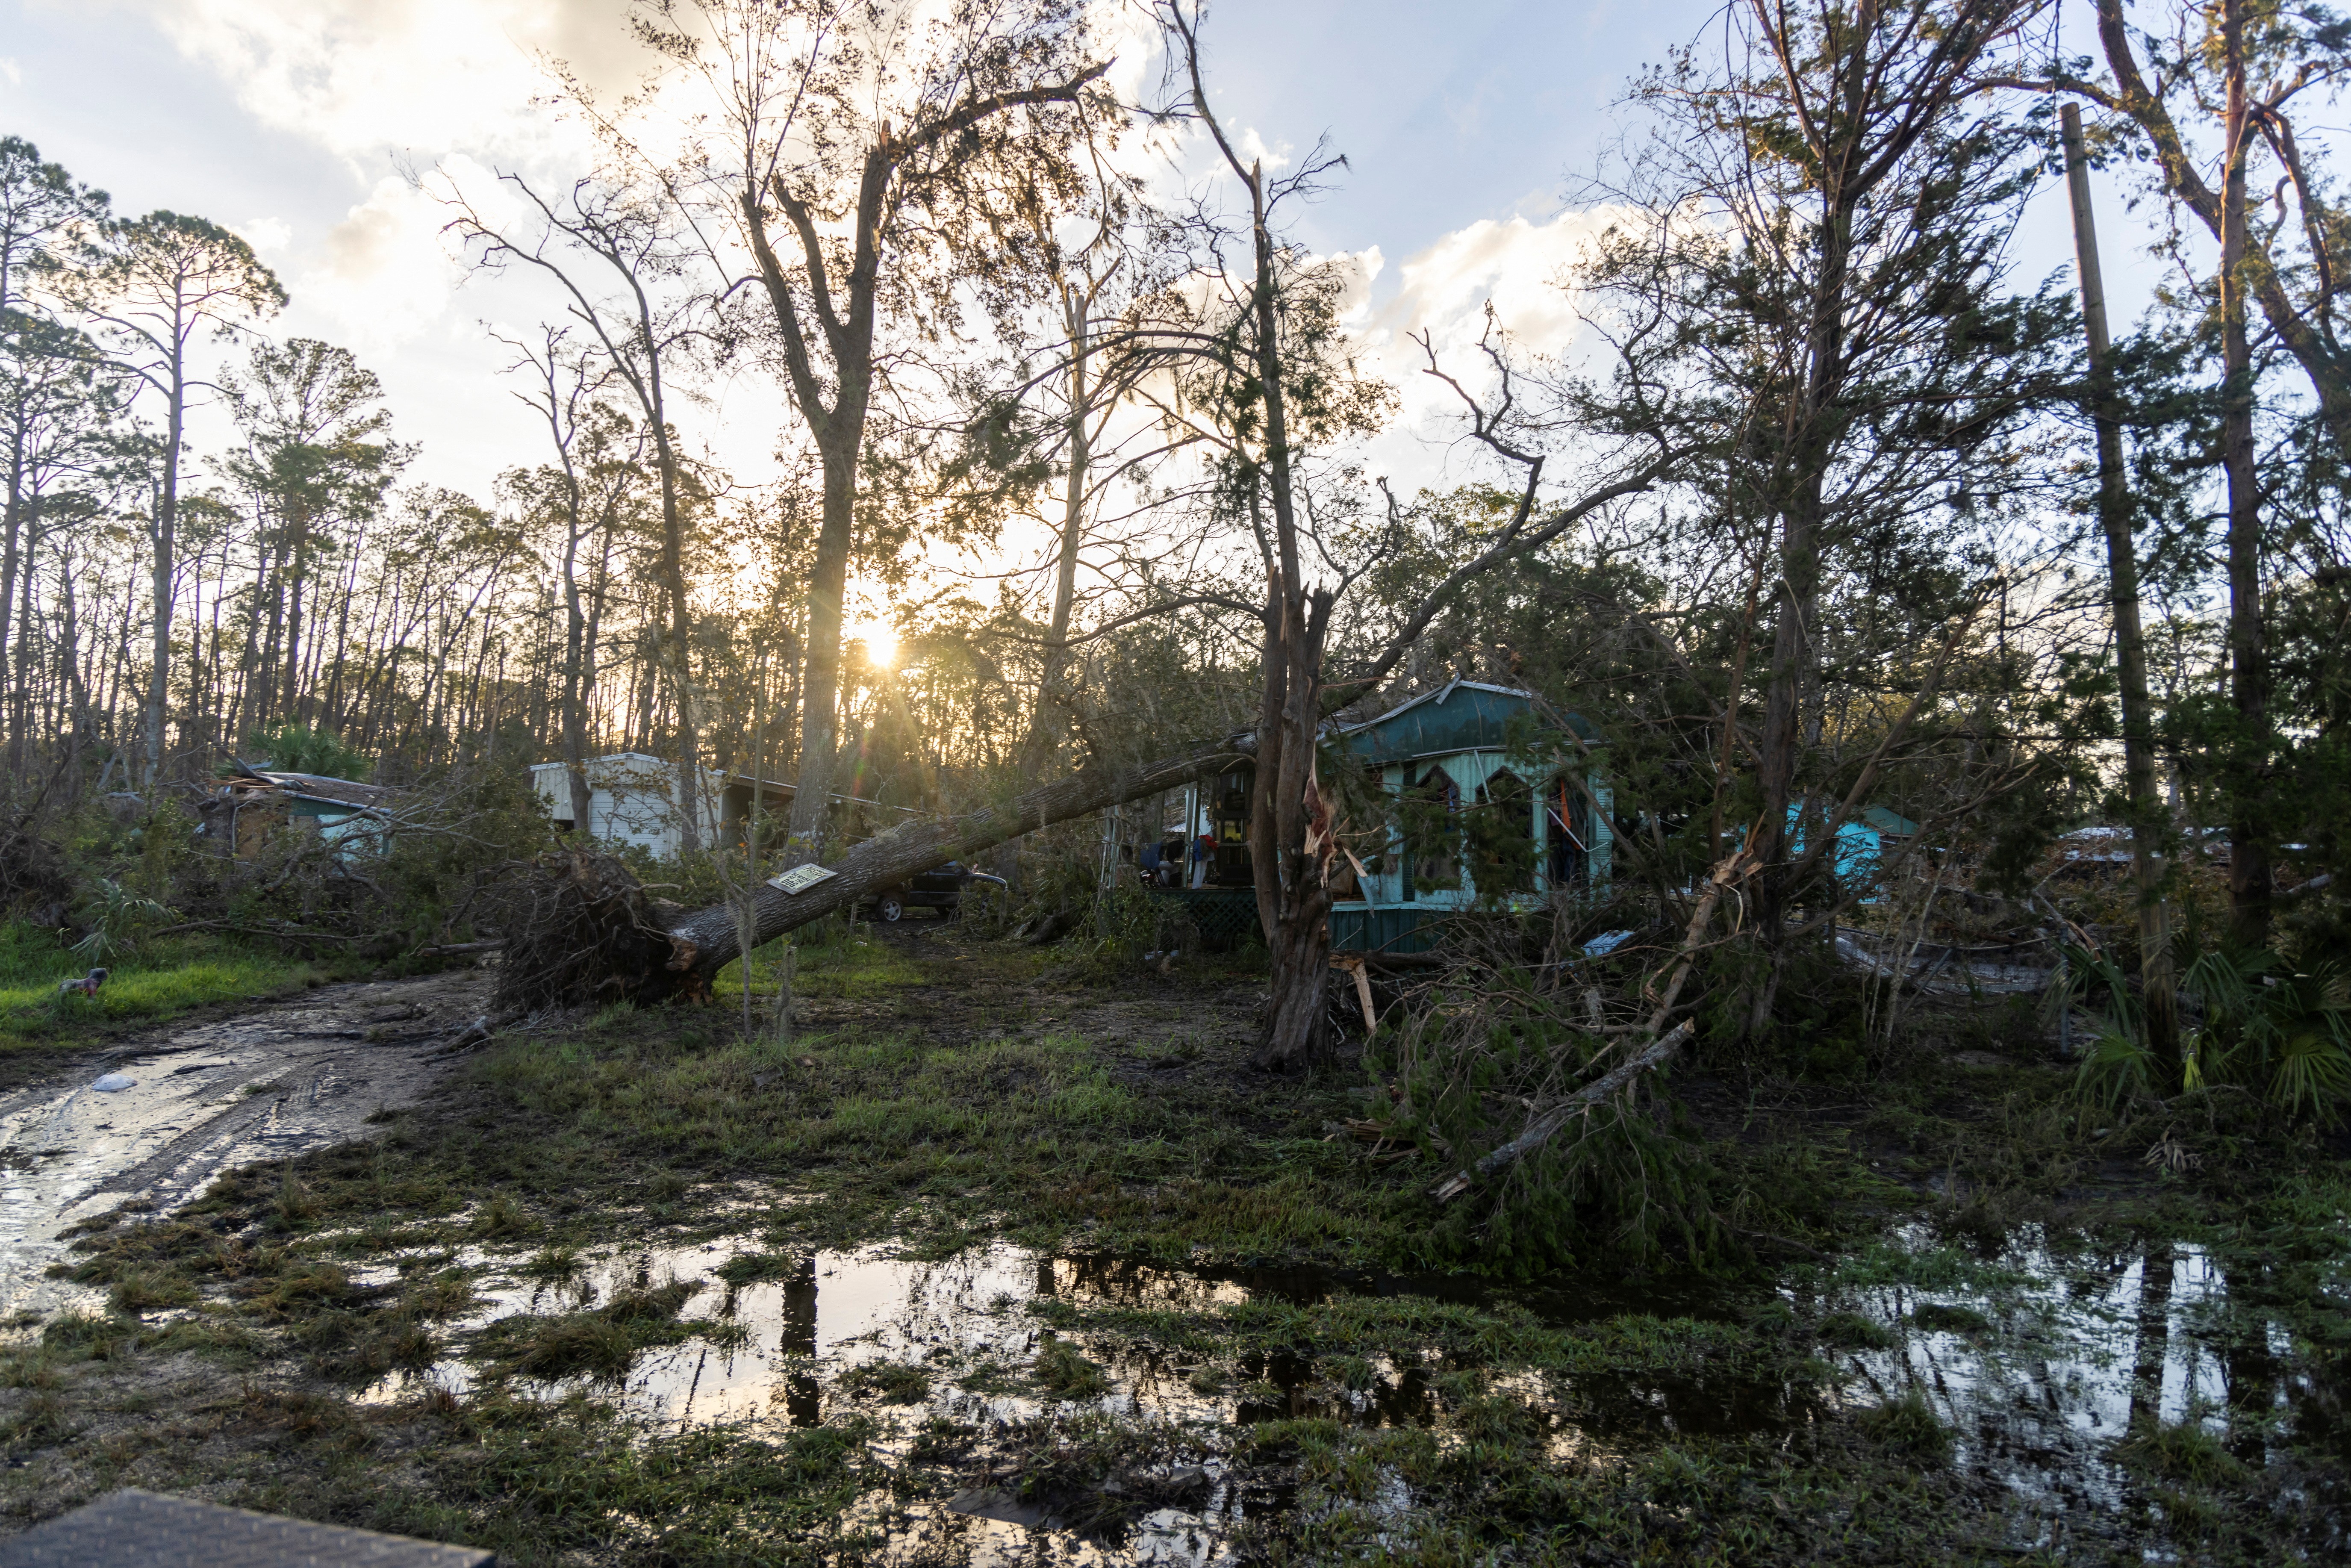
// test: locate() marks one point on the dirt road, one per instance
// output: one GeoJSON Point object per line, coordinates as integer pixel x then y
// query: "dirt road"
{"type": "Point", "coordinates": [296, 1075]}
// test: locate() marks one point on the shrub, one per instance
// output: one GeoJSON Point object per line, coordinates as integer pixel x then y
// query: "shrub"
{"type": "Point", "coordinates": [1908, 1425]}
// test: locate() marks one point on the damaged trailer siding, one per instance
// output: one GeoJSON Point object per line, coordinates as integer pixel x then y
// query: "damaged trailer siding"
{"type": "Point", "coordinates": [249, 810]}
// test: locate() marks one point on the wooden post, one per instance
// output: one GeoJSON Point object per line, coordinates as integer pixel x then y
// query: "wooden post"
{"type": "Point", "coordinates": [789, 969]}
{"type": "Point", "coordinates": [2130, 641]}
{"type": "Point", "coordinates": [751, 824]}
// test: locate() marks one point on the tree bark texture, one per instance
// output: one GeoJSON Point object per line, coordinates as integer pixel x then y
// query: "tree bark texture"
{"type": "Point", "coordinates": [1046, 722]}
{"type": "Point", "coordinates": [162, 536]}
{"type": "Point", "coordinates": [2249, 876]}
{"type": "Point", "coordinates": [681, 626]}
{"type": "Point", "coordinates": [1809, 439]}
{"type": "Point", "coordinates": [1291, 847]}
{"type": "Point", "coordinates": [2130, 639]}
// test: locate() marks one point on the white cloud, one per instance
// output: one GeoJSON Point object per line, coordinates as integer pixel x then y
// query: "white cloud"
{"type": "Point", "coordinates": [1442, 291]}
{"type": "Point", "coordinates": [12, 70]}
{"type": "Point", "coordinates": [1517, 264]}
{"type": "Point", "coordinates": [266, 236]}
{"type": "Point", "coordinates": [1253, 149]}
{"type": "Point", "coordinates": [359, 76]}
{"type": "Point", "coordinates": [387, 270]}
{"type": "Point", "coordinates": [1131, 39]}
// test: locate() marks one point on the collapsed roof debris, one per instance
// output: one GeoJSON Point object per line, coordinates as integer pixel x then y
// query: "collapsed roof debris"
{"type": "Point", "coordinates": [251, 807]}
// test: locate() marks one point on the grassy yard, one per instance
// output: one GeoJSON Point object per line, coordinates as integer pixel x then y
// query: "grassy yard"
{"type": "Point", "coordinates": [169, 978]}
{"type": "Point", "coordinates": [936, 1093]}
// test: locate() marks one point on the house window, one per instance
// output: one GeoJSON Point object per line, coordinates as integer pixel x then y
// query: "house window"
{"type": "Point", "coordinates": [1430, 810]}
{"type": "Point", "coordinates": [1232, 868]}
{"type": "Point", "coordinates": [1570, 832]}
{"type": "Point", "coordinates": [1500, 833]}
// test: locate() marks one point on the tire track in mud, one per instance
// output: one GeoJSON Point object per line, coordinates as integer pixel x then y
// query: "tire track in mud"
{"type": "Point", "coordinates": [264, 1086]}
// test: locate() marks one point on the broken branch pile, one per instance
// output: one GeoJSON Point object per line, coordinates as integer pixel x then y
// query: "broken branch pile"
{"type": "Point", "coordinates": [1541, 1127]}
{"type": "Point", "coordinates": [1526, 1064]}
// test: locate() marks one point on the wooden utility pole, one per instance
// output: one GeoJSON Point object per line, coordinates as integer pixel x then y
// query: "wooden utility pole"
{"type": "Point", "coordinates": [2130, 640]}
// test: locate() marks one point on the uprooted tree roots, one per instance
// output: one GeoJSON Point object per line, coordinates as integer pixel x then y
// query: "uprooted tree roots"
{"type": "Point", "coordinates": [580, 929]}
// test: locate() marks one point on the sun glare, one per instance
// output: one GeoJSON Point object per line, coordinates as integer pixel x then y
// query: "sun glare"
{"type": "Point", "coordinates": [880, 645]}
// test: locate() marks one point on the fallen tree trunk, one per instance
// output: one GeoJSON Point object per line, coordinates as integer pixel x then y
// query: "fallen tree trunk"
{"type": "Point", "coordinates": [651, 954]}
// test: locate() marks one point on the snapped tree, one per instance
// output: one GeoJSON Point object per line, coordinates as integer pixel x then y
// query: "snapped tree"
{"type": "Point", "coordinates": [1259, 368]}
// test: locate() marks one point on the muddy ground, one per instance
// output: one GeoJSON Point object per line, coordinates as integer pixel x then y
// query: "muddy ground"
{"type": "Point", "coordinates": [301, 1074]}
{"type": "Point", "coordinates": [1005, 1256]}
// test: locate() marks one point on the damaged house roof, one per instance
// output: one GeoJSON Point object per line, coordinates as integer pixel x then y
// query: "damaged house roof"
{"type": "Point", "coordinates": [1462, 716]}
{"type": "Point", "coordinates": [316, 787]}
{"type": "Point", "coordinates": [247, 803]}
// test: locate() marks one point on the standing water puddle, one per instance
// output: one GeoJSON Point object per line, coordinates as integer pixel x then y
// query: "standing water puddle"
{"type": "Point", "coordinates": [2039, 1362]}
{"type": "Point", "coordinates": [783, 1342]}
{"type": "Point", "coordinates": [788, 1351]}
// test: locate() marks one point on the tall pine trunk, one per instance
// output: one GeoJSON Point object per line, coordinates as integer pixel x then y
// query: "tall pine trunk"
{"type": "Point", "coordinates": [162, 536]}
{"type": "Point", "coordinates": [1809, 442]}
{"type": "Point", "coordinates": [1045, 724]}
{"type": "Point", "coordinates": [681, 617]}
{"type": "Point", "coordinates": [575, 698]}
{"type": "Point", "coordinates": [1293, 893]}
{"type": "Point", "coordinates": [820, 668]}
{"type": "Point", "coordinates": [2155, 972]}
{"type": "Point", "coordinates": [2250, 875]}
{"type": "Point", "coordinates": [1293, 900]}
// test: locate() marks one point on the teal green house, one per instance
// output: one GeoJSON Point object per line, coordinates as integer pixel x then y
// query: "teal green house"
{"type": "Point", "coordinates": [1471, 800]}
{"type": "Point", "coordinates": [1862, 844]}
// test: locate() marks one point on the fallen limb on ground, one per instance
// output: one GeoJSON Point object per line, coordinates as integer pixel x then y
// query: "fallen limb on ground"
{"type": "Point", "coordinates": [609, 944]}
{"type": "Point", "coordinates": [1352, 964]}
{"type": "Point", "coordinates": [473, 1037]}
{"type": "Point", "coordinates": [1727, 875]}
{"type": "Point", "coordinates": [1539, 1129]}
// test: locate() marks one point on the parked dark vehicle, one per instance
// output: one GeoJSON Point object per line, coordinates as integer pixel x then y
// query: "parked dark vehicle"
{"type": "Point", "coordinates": [940, 888]}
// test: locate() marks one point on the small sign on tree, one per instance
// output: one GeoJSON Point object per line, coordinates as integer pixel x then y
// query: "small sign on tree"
{"type": "Point", "coordinates": [800, 878]}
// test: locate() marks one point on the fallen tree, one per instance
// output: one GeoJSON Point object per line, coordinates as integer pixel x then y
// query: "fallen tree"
{"type": "Point", "coordinates": [1545, 1122]}
{"type": "Point", "coordinates": [580, 930]}
{"type": "Point", "coordinates": [1541, 1128]}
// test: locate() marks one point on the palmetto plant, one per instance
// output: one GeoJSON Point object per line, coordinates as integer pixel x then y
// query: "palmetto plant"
{"type": "Point", "coordinates": [2285, 1036]}
{"type": "Point", "coordinates": [117, 918]}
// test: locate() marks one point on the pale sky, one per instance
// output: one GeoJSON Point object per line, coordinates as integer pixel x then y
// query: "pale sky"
{"type": "Point", "coordinates": [288, 121]}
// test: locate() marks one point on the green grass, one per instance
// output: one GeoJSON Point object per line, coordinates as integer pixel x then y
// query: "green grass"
{"type": "Point", "coordinates": [841, 967]}
{"type": "Point", "coordinates": [1045, 1134]}
{"type": "Point", "coordinates": [171, 976]}
{"type": "Point", "coordinates": [942, 1116]}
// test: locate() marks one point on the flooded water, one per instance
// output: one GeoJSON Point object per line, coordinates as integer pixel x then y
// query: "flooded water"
{"type": "Point", "coordinates": [2039, 1357]}
{"type": "Point", "coordinates": [2037, 1361]}
{"type": "Point", "coordinates": [2040, 1361]}
{"type": "Point", "coordinates": [262, 1087]}
{"type": "Point", "coordinates": [977, 1315]}
{"type": "Point", "coordinates": [787, 1353]}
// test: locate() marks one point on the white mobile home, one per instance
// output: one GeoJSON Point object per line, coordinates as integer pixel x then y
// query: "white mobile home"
{"type": "Point", "coordinates": [632, 799]}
